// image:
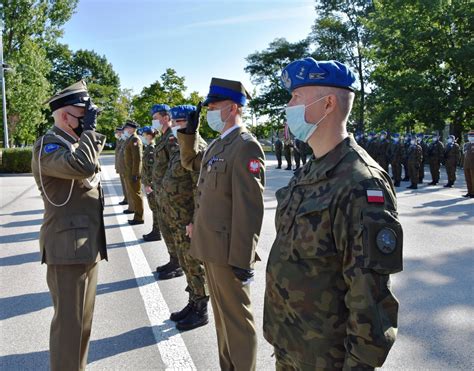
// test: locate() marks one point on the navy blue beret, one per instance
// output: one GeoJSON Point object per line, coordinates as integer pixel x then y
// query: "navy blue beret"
{"type": "Point", "coordinates": [309, 72]}
{"type": "Point", "coordinates": [159, 108]}
{"type": "Point", "coordinates": [182, 111]}
{"type": "Point", "coordinates": [147, 130]}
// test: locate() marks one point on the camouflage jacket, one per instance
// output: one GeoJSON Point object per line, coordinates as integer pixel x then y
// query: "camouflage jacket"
{"type": "Point", "coordinates": [328, 302]}
{"type": "Point", "coordinates": [415, 154]}
{"type": "Point", "coordinates": [147, 164]}
{"type": "Point", "coordinates": [396, 152]}
{"type": "Point", "coordinates": [179, 185]}
{"type": "Point", "coordinates": [436, 152]}
{"type": "Point", "coordinates": [162, 158]}
{"type": "Point", "coordinates": [451, 154]}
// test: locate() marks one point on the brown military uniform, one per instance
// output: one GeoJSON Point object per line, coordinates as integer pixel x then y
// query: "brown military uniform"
{"type": "Point", "coordinates": [435, 153]}
{"type": "Point", "coordinates": [132, 157]}
{"type": "Point", "coordinates": [328, 303]}
{"type": "Point", "coordinates": [227, 225]}
{"type": "Point", "coordinates": [72, 237]}
{"type": "Point", "coordinates": [119, 165]}
{"type": "Point", "coordinates": [469, 167]}
{"type": "Point", "coordinates": [381, 154]}
{"type": "Point", "coordinates": [395, 155]}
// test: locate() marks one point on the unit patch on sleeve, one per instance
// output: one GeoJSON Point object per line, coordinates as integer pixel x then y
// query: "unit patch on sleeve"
{"type": "Point", "coordinates": [375, 196]}
{"type": "Point", "coordinates": [254, 166]}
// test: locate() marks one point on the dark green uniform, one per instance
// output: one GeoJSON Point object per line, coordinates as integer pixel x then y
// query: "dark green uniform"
{"type": "Point", "coordinates": [414, 161]}
{"type": "Point", "coordinates": [435, 157]}
{"type": "Point", "coordinates": [179, 186]}
{"type": "Point", "coordinates": [287, 152]}
{"type": "Point", "coordinates": [162, 158]}
{"type": "Point", "coordinates": [372, 148]}
{"type": "Point", "coordinates": [147, 180]}
{"type": "Point", "coordinates": [395, 155]}
{"type": "Point", "coordinates": [278, 151]}
{"type": "Point", "coordinates": [133, 154]}
{"type": "Point", "coordinates": [451, 158]}
{"type": "Point", "coordinates": [424, 150]}
{"type": "Point", "coordinates": [328, 303]}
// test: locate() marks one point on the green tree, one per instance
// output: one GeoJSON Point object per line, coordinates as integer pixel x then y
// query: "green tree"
{"type": "Point", "coordinates": [422, 76]}
{"type": "Point", "coordinates": [340, 33]}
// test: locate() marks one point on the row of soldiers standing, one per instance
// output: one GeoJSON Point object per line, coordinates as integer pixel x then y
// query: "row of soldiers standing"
{"type": "Point", "coordinates": [143, 160]}
{"type": "Point", "coordinates": [411, 153]}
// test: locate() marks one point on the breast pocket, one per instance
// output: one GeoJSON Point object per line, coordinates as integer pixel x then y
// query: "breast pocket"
{"type": "Point", "coordinates": [72, 238]}
{"type": "Point", "coordinates": [213, 174]}
{"type": "Point", "coordinates": [312, 233]}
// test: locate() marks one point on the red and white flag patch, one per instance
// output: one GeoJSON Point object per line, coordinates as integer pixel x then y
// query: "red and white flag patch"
{"type": "Point", "coordinates": [254, 166]}
{"type": "Point", "coordinates": [375, 196]}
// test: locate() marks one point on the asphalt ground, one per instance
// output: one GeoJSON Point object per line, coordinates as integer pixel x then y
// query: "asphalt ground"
{"type": "Point", "coordinates": [131, 330]}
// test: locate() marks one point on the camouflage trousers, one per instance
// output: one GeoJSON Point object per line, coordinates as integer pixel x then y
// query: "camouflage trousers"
{"type": "Point", "coordinates": [397, 172]}
{"type": "Point", "coordinates": [164, 224]}
{"type": "Point", "coordinates": [451, 172]}
{"type": "Point", "coordinates": [177, 218]}
{"type": "Point", "coordinates": [413, 172]}
{"type": "Point", "coordinates": [434, 170]}
{"type": "Point", "coordinates": [151, 197]}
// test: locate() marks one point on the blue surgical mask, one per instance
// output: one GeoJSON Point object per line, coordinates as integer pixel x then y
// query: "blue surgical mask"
{"type": "Point", "coordinates": [412, 142]}
{"type": "Point", "coordinates": [127, 134]}
{"type": "Point", "coordinates": [395, 140]}
{"type": "Point", "coordinates": [450, 140]}
{"type": "Point", "coordinates": [295, 117]}
{"type": "Point", "coordinates": [215, 121]}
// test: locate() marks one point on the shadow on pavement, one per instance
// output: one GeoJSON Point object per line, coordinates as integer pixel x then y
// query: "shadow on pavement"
{"type": "Point", "coordinates": [99, 349]}
{"type": "Point", "coordinates": [28, 303]}
{"type": "Point", "coordinates": [23, 223]}
{"type": "Point", "coordinates": [19, 237]}
{"type": "Point", "coordinates": [32, 257]}
{"type": "Point", "coordinates": [431, 294]}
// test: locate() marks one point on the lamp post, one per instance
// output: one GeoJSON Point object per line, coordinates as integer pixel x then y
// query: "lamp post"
{"type": "Point", "coordinates": [4, 100]}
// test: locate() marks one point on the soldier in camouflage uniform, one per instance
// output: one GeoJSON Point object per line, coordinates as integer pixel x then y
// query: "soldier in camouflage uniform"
{"type": "Point", "coordinates": [180, 187]}
{"type": "Point", "coordinates": [278, 151]}
{"type": "Point", "coordinates": [371, 146]}
{"type": "Point", "coordinates": [424, 149]}
{"type": "Point", "coordinates": [328, 303]}
{"type": "Point", "coordinates": [382, 151]}
{"type": "Point", "coordinates": [435, 158]}
{"type": "Point", "coordinates": [395, 155]}
{"type": "Point", "coordinates": [414, 161]}
{"type": "Point", "coordinates": [451, 158]}
{"type": "Point", "coordinates": [148, 140]}
{"type": "Point", "coordinates": [162, 122]}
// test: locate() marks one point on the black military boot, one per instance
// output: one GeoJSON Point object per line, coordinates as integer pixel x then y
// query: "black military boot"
{"type": "Point", "coordinates": [165, 267]}
{"type": "Point", "coordinates": [172, 271]}
{"type": "Point", "coordinates": [180, 315]}
{"type": "Point", "coordinates": [123, 202]}
{"type": "Point", "coordinates": [154, 235]}
{"type": "Point", "coordinates": [197, 317]}
{"type": "Point", "coordinates": [413, 186]}
{"type": "Point", "coordinates": [449, 185]}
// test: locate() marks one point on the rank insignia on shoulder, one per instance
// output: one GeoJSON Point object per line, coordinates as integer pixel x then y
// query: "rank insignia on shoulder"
{"type": "Point", "coordinates": [254, 166]}
{"type": "Point", "coordinates": [375, 196]}
{"type": "Point", "coordinates": [48, 148]}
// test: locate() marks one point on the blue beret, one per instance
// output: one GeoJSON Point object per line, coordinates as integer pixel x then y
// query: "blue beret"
{"type": "Point", "coordinates": [222, 89]}
{"type": "Point", "coordinates": [371, 133]}
{"type": "Point", "coordinates": [159, 108]}
{"type": "Point", "coordinates": [396, 135]}
{"type": "Point", "coordinates": [383, 132]}
{"type": "Point", "coordinates": [181, 112]}
{"type": "Point", "coordinates": [147, 130]}
{"type": "Point", "coordinates": [309, 72]}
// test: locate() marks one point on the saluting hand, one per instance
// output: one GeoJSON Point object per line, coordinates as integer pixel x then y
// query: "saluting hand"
{"type": "Point", "coordinates": [90, 118]}
{"type": "Point", "coordinates": [193, 120]}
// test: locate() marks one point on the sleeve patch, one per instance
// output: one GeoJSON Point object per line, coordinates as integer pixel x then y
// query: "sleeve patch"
{"type": "Point", "coordinates": [254, 166]}
{"type": "Point", "coordinates": [48, 148]}
{"type": "Point", "coordinates": [375, 196]}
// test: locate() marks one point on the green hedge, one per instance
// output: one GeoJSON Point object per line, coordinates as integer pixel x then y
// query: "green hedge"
{"type": "Point", "coordinates": [16, 160]}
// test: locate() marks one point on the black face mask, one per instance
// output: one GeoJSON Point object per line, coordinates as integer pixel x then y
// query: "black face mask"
{"type": "Point", "coordinates": [80, 128]}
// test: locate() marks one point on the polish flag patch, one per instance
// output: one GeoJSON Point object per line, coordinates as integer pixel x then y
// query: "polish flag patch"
{"type": "Point", "coordinates": [375, 196]}
{"type": "Point", "coordinates": [254, 166]}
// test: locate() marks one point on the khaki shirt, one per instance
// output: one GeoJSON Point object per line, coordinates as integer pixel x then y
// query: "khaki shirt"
{"type": "Point", "coordinates": [328, 302]}
{"type": "Point", "coordinates": [229, 209]}
{"type": "Point", "coordinates": [73, 233]}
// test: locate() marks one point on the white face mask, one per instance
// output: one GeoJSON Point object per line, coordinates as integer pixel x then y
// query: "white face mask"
{"type": "Point", "coordinates": [412, 142]}
{"type": "Point", "coordinates": [156, 124]}
{"type": "Point", "coordinates": [470, 139]}
{"type": "Point", "coordinates": [117, 136]}
{"type": "Point", "coordinates": [215, 121]}
{"type": "Point", "coordinates": [174, 130]}
{"type": "Point", "coordinates": [435, 139]}
{"type": "Point", "coordinates": [382, 137]}
{"type": "Point", "coordinates": [450, 140]}
{"type": "Point", "coordinates": [295, 117]}
{"type": "Point", "coordinates": [370, 137]}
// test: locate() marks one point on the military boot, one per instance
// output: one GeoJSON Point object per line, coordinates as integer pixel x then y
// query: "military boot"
{"type": "Point", "coordinates": [173, 270]}
{"type": "Point", "coordinates": [165, 267]}
{"type": "Point", "coordinates": [449, 185]}
{"type": "Point", "coordinates": [180, 315]}
{"type": "Point", "coordinates": [197, 317]}
{"type": "Point", "coordinates": [154, 235]}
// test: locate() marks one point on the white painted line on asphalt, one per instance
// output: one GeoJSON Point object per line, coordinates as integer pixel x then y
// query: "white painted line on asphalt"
{"type": "Point", "coordinates": [170, 344]}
